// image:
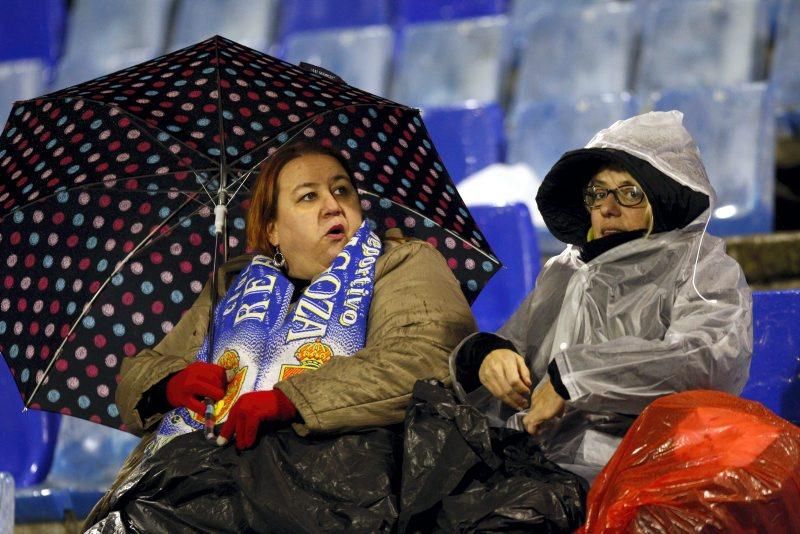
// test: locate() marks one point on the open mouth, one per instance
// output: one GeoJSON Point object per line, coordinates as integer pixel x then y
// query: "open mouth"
{"type": "Point", "coordinates": [336, 231]}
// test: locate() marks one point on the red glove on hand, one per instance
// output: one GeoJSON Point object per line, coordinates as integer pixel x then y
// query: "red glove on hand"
{"type": "Point", "coordinates": [195, 382]}
{"type": "Point", "coordinates": [250, 411]}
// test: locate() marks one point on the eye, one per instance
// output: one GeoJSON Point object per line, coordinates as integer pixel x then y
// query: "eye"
{"type": "Point", "coordinates": [631, 193]}
{"type": "Point", "coordinates": [308, 197]}
{"type": "Point", "coordinates": [342, 190]}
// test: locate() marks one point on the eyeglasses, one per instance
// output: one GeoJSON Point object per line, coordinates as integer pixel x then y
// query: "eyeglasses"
{"type": "Point", "coordinates": [626, 195]}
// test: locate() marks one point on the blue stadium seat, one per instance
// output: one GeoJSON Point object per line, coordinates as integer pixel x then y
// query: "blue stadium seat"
{"type": "Point", "coordinates": [414, 11]}
{"type": "Point", "coordinates": [577, 50]}
{"type": "Point", "coordinates": [775, 369]}
{"type": "Point", "coordinates": [360, 56]}
{"type": "Point", "coordinates": [702, 42]}
{"type": "Point", "coordinates": [6, 502]}
{"type": "Point", "coordinates": [325, 14]}
{"type": "Point", "coordinates": [103, 36]}
{"type": "Point", "coordinates": [20, 80]}
{"type": "Point", "coordinates": [86, 460]}
{"type": "Point", "coordinates": [510, 233]}
{"type": "Point", "coordinates": [735, 131]}
{"type": "Point", "coordinates": [467, 138]}
{"type": "Point", "coordinates": [540, 132]}
{"type": "Point", "coordinates": [451, 63]}
{"type": "Point", "coordinates": [785, 70]}
{"type": "Point", "coordinates": [249, 22]}
{"type": "Point", "coordinates": [28, 438]}
{"type": "Point", "coordinates": [32, 29]}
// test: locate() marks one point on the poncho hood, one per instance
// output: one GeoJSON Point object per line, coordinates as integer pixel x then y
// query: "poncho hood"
{"type": "Point", "coordinates": [656, 150]}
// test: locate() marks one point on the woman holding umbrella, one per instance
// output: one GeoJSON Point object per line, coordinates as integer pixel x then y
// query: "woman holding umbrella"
{"type": "Point", "coordinates": [343, 323]}
{"type": "Point", "coordinates": [643, 303]}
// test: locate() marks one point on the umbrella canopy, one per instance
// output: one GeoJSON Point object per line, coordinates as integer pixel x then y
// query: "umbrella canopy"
{"type": "Point", "coordinates": [108, 190]}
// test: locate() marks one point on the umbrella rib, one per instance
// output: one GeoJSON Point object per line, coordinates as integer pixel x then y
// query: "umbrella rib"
{"type": "Point", "coordinates": [243, 179]}
{"type": "Point", "coordinates": [447, 230]}
{"type": "Point", "coordinates": [86, 307]}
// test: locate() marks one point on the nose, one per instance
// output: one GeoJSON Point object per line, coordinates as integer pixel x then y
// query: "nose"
{"type": "Point", "coordinates": [609, 206]}
{"type": "Point", "coordinates": [330, 205]}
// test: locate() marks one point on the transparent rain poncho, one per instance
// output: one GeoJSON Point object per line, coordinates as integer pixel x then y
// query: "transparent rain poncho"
{"type": "Point", "coordinates": [656, 315]}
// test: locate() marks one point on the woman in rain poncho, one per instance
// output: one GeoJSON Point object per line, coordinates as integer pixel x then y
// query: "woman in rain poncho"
{"type": "Point", "coordinates": [641, 304]}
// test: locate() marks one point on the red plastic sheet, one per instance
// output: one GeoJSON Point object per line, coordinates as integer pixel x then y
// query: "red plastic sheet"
{"type": "Point", "coordinates": [701, 461]}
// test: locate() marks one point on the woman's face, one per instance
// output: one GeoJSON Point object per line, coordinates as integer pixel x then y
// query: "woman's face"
{"type": "Point", "coordinates": [318, 211]}
{"type": "Point", "coordinates": [610, 217]}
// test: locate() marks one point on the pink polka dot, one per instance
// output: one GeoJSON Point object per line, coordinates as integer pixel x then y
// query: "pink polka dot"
{"type": "Point", "coordinates": [91, 371]}
{"type": "Point", "coordinates": [186, 267]}
{"type": "Point", "coordinates": [95, 419]}
{"type": "Point", "coordinates": [8, 282]}
{"type": "Point", "coordinates": [157, 307]}
{"type": "Point", "coordinates": [99, 341]}
{"type": "Point", "coordinates": [127, 298]}
{"type": "Point", "coordinates": [55, 306]}
{"type": "Point", "coordinates": [452, 263]}
{"type": "Point", "coordinates": [129, 348]}
{"type": "Point", "coordinates": [62, 365]}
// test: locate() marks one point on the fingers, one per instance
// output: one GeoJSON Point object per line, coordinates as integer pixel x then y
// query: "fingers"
{"type": "Point", "coordinates": [228, 428]}
{"type": "Point", "coordinates": [195, 405]}
{"type": "Point", "coordinates": [505, 374]}
{"type": "Point", "coordinates": [207, 389]}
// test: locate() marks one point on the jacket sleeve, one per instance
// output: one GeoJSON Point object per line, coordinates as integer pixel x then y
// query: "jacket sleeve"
{"type": "Point", "coordinates": [707, 346]}
{"type": "Point", "coordinates": [418, 314]}
{"type": "Point", "coordinates": [175, 351]}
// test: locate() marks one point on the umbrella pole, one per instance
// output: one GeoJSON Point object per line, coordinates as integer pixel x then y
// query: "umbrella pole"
{"type": "Point", "coordinates": [220, 216]}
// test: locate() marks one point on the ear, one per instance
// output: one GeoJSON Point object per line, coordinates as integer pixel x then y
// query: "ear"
{"type": "Point", "coordinates": [272, 234]}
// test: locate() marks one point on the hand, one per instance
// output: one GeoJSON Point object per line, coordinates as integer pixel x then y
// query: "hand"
{"type": "Point", "coordinates": [252, 409]}
{"type": "Point", "coordinates": [506, 376]}
{"type": "Point", "coordinates": [195, 382]}
{"type": "Point", "coordinates": [545, 405]}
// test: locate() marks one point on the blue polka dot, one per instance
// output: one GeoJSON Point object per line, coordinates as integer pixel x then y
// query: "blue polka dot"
{"type": "Point", "coordinates": [173, 128]}
{"type": "Point", "coordinates": [372, 113]}
{"type": "Point", "coordinates": [47, 261]}
{"type": "Point", "coordinates": [118, 329]}
{"type": "Point", "coordinates": [102, 265]}
{"type": "Point", "coordinates": [282, 137]}
{"type": "Point", "coordinates": [88, 322]}
{"type": "Point", "coordinates": [3, 327]}
{"type": "Point", "coordinates": [19, 217]}
{"type": "Point", "coordinates": [147, 287]}
{"type": "Point", "coordinates": [426, 144]}
{"type": "Point", "coordinates": [420, 205]}
{"type": "Point", "coordinates": [343, 118]}
{"type": "Point", "coordinates": [62, 121]}
{"type": "Point", "coordinates": [73, 169]}
{"type": "Point", "coordinates": [152, 160]}
{"type": "Point", "coordinates": [13, 350]}
{"type": "Point", "coordinates": [450, 189]}
{"type": "Point", "coordinates": [437, 166]}
{"type": "Point", "coordinates": [53, 395]}
{"type": "Point", "coordinates": [91, 242]}
{"type": "Point", "coordinates": [85, 147]}
{"type": "Point", "coordinates": [238, 223]}
{"type": "Point", "coordinates": [257, 126]}
{"type": "Point", "coordinates": [60, 284]}
{"type": "Point", "coordinates": [186, 222]}
{"type": "Point", "coordinates": [488, 266]}
{"type": "Point", "coordinates": [463, 212]}
{"type": "Point", "coordinates": [203, 121]}
{"type": "Point", "coordinates": [148, 338]}
{"type": "Point", "coordinates": [232, 150]}
{"type": "Point", "coordinates": [84, 402]}
{"type": "Point", "coordinates": [352, 143]}
{"type": "Point", "coordinates": [378, 188]}
{"type": "Point", "coordinates": [152, 189]}
{"type": "Point", "coordinates": [33, 239]}
{"type": "Point", "coordinates": [319, 103]}
{"type": "Point", "coordinates": [39, 166]}
{"type": "Point", "coordinates": [163, 212]}
{"type": "Point", "coordinates": [208, 70]}
{"type": "Point", "coordinates": [385, 203]}
{"type": "Point", "coordinates": [472, 285]}
{"type": "Point", "coordinates": [363, 166]}
{"type": "Point", "coordinates": [117, 279]}
{"type": "Point", "coordinates": [372, 224]}
{"type": "Point", "coordinates": [227, 115]}
{"type": "Point", "coordinates": [231, 71]}
{"type": "Point", "coordinates": [11, 132]}
{"type": "Point", "coordinates": [246, 159]}
{"type": "Point", "coordinates": [405, 182]}
{"type": "Point", "coordinates": [24, 375]}
{"type": "Point", "coordinates": [97, 123]}
{"type": "Point", "coordinates": [27, 189]}
{"type": "Point", "coordinates": [214, 151]}
{"type": "Point", "coordinates": [382, 137]}
{"type": "Point", "coordinates": [416, 121]}
{"type": "Point", "coordinates": [428, 223]}
{"type": "Point", "coordinates": [176, 297]}
{"type": "Point", "coordinates": [71, 308]}
{"type": "Point", "coordinates": [112, 410]}
{"type": "Point", "coordinates": [179, 83]}
{"type": "Point", "coordinates": [393, 160]}
{"type": "Point", "coordinates": [151, 92]}
{"type": "Point", "coordinates": [163, 137]}
{"type": "Point", "coordinates": [77, 220]}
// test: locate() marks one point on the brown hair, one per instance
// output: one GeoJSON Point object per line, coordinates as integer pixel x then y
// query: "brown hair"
{"type": "Point", "coordinates": [264, 199]}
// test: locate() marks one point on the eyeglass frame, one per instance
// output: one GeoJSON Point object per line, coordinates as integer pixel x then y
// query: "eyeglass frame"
{"type": "Point", "coordinates": [614, 192]}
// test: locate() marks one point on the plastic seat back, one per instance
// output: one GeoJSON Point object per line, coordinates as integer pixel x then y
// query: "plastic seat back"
{"type": "Point", "coordinates": [20, 80]}
{"type": "Point", "coordinates": [785, 70]}
{"type": "Point", "coordinates": [309, 15]}
{"type": "Point", "coordinates": [575, 51]}
{"type": "Point", "coordinates": [510, 232]}
{"type": "Point", "coordinates": [28, 439]}
{"type": "Point", "coordinates": [451, 63]}
{"type": "Point", "coordinates": [540, 132]}
{"type": "Point", "coordinates": [735, 131]}
{"type": "Point", "coordinates": [775, 368]}
{"type": "Point", "coordinates": [414, 11]}
{"type": "Point", "coordinates": [360, 56]}
{"type": "Point", "coordinates": [688, 43]}
{"type": "Point", "coordinates": [32, 29]}
{"type": "Point", "coordinates": [467, 138]}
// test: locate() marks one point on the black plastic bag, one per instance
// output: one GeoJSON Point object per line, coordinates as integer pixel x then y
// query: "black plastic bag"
{"type": "Point", "coordinates": [460, 475]}
{"type": "Point", "coordinates": [447, 470]}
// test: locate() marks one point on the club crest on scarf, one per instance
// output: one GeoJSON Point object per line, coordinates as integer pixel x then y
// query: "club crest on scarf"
{"type": "Point", "coordinates": [261, 337]}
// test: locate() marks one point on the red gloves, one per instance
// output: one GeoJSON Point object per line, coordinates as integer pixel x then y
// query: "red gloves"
{"type": "Point", "coordinates": [195, 382]}
{"type": "Point", "coordinates": [250, 411]}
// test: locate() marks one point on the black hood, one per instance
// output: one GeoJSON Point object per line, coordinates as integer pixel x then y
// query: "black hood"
{"type": "Point", "coordinates": [560, 198]}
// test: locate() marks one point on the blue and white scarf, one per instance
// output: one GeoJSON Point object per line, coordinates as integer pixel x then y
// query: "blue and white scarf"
{"type": "Point", "coordinates": [262, 338]}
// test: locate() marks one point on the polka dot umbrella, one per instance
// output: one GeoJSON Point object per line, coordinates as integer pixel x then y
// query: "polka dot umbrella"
{"type": "Point", "coordinates": [108, 192]}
